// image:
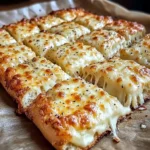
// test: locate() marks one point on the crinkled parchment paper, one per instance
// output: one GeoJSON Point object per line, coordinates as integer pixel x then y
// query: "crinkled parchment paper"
{"type": "Point", "coordinates": [19, 133]}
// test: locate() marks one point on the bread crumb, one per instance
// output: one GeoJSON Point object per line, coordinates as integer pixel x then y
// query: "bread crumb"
{"type": "Point", "coordinates": [116, 139]}
{"type": "Point", "coordinates": [143, 126]}
{"type": "Point", "coordinates": [141, 108]}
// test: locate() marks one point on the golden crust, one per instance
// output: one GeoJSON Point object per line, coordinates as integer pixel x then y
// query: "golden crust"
{"type": "Point", "coordinates": [68, 14]}
{"type": "Point", "coordinates": [36, 112]}
{"type": "Point", "coordinates": [125, 79]}
{"type": "Point", "coordinates": [22, 29]}
{"type": "Point", "coordinates": [26, 81]}
{"type": "Point", "coordinates": [69, 57]}
{"type": "Point", "coordinates": [43, 42]}
{"type": "Point", "coordinates": [139, 52]}
{"type": "Point", "coordinates": [73, 105]}
{"type": "Point", "coordinates": [122, 24]}
{"type": "Point", "coordinates": [106, 42]}
{"type": "Point", "coordinates": [132, 31]}
{"type": "Point", "coordinates": [13, 55]}
{"type": "Point", "coordinates": [6, 38]}
{"type": "Point", "coordinates": [13, 86]}
{"type": "Point", "coordinates": [46, 22]}
{"type": "Point", "coordinates": [70, 30]}
{"type": "Point", "coordinates": [93, 21]}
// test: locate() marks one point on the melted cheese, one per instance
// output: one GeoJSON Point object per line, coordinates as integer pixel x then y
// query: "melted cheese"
{"type": "Point", "coordinates": [132, 31]}
{"type": "Point", "coordinates": [5, 38]}
{"type": "Point", "coordinates": [92, 21]}
{"type": "Point", "coordinates": [125, 79]}
{"type": "Point", "coordinates": [42, 42]}
{"type": "Point", "coordinates": [46, 22]}
{"type": "Point", "coordinates": [13, 55]}
{"type": "Point", "coordinates": [139, 52]}
{"type": "Point", "coordinates": [22, 30]}
{"type": "Point", "coordinates": [43, 63]}
{"type": "Point", "coordinates": [70, 30]}
{"type": "Point", "coordinates": [68, 14]}
{"type": "Point", "coordinates": [73, 57]}
{"type": "Point", "coordinates": [107, 42]}
{"type": "Point", "coordinates": [26, 81]}
{"type": "Point", "coordinates": [77, 111]}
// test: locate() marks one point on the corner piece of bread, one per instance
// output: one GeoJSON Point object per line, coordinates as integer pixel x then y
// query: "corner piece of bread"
{"type": "Point", "coordinates": [22, 29]}
{"type": "Point", "coordinates": [12, 55]}
{"type": "Point", "coordinates": [132, 31]}
{"type": "Point", "coordinates": [6, 38]}
{"type": "Point", "coordinates": [139, 52]}
{"type": "Point", "coordinates": [74, 114]}
{"type": "Point", "coordinates": [68, 14]}
{"type": "Point", "coordinates": [26, 81]}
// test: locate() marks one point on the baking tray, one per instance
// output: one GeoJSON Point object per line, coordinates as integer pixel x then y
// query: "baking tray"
{"type": "Point", "coordinates": [19, 133]}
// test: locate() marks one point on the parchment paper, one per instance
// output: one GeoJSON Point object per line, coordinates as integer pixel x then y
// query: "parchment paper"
{"type": "Point", "coordinates": [19, 133]}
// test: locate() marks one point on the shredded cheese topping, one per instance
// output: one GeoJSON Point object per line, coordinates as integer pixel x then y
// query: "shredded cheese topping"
{"type": "Point", "coordinates": [78, 110]}
{"type": "Point", "coordinates": [70, 30]}
{"type": "Point", "coordinates": [43, 42]}
{"type": "Point", "coordinates": [139, 52]}
{"type": "Point", "coordinates": [5, 38]}
{"type": "Point", "coordinates": [22, 30]}
{"type": "Point", "coordinates": [125, 79]}
{"type": "Point", "coordinates": [74, 56]}
{"type": "Point", "coordinates": [107, 42]}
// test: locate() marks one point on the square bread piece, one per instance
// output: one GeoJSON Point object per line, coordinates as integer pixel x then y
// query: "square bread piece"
{"type": "Point", "coordinates": [93, 22]}
{"type": "Point", "coordinates": [74, 114]}
{"type": "Point", "coordinates": [68, 14]}
{"type": "Point", "coordinates": [125, 79]}
{"type": "Point", "coordinates": [42, 42]}
{"type": "Point", "coordinates": [22, 29]}
{"type": "Point", "coordinates": [46, 22]}
{"type": "Point", "coordinates": [106, 42]}
{"type": "Point", "coordinates": [132, 31]}
{"type": "Point", "coordinates": [74, 56]}
{"type": "Point", "coordinates": [70, 30]}
{"type": "Point", "coordinates": [139, 52]}
{"type": "Point", "coordinates": [13, 55]}
{"type": "Point", "coordinates": [6, 38]}
{"type": "Point", "coordinates": [26, 81]}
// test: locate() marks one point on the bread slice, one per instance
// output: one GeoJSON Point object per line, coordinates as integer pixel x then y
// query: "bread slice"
{"type": "Point", "coordinates": [70, 30]}
{"type": "Point", "coordinates": [93, 22]}
{"type": "Point", "coordinates": [22, 29]}
{"type": "Point", "coordinates": [139, 52]}
{"type": "Point", "coordinates": [46, 22]}
{"type": "Point", "coordinates": [132, 31]}
{"type": "Point", "coordinates": [42, 42]}
{"type": "Point", "coordinates": [74, 56]}
{"type": "Point", "coordinates": [13, 55]}
{"type": "Point", "coordinates": [107, 42]}
{"type": "Point", "coordinates": [6, 38]}
{"type": "Point", "coordinates": [125, 79]}
{"type": "Point", "coordinates": [73, 114]}
{"type": "Point", "coordinates": [68, 14]}
{"type": "Point", "coordinates": [26, 81]}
